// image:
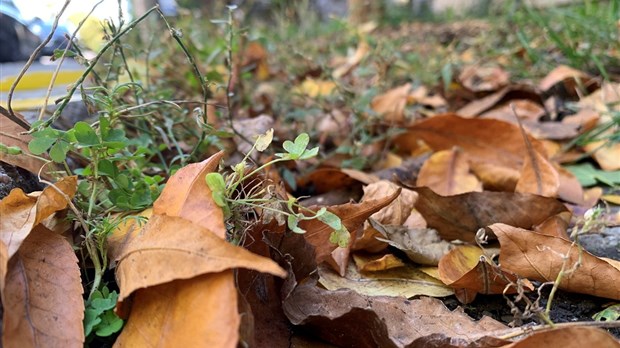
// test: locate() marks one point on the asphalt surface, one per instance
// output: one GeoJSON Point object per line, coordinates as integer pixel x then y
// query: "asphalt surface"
{"type": "Point", "coordinates": [30, 93]}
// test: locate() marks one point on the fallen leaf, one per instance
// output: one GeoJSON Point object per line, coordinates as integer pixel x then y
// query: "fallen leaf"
{"type": "Point", "coordinates": [22, 212]}
{"type": "Point", "coordinates": [391, 104]}
{"type": "Point", "coordinates": [396, 213]}
{"type": "Point", "coordinates": [540, 257]}
{"type": "Point", "coordinates": [503, 96]}
{"type": "Point", "coordinates": [352, 215]}
{"type": "Point", "coordinates": [568, 337]}
{"type": "Point", "coordinates": [461, 216]}
{"type": "Point", "coordinates": [352, 60]}
{"type": "Point", "coordinates": [603, 100]}
{"type": "Point", "coordinates": [187, 195]}
{"type": "Point", "coordinates": [483, 79]}
{"type": "Point", "coordinates": [42, 294]}
{"type": "Point", "coordinates": [421, 245]}
{"type": "Point", "coordinates": [123, 235]}
{"type": "Point", "coordinates": [496, 177]}
{"type": "Point", "coordinates": [201, 311]}
{"type": "Point", "coordinates": [380, 321]}
{"type": "Point", "coordinates": [569, 78]}
{"type": "Point", "coordinates": [247, 128]}
{"type": "Point", "coordinates": [556, 225]}
{"type": "Point", "coordinates": [570, 189]}
{"type": "Point", "coordinates": [590, 176]}
{"type": "Point", "coordinates": [469, 267]}
{"type": "Point", "coordinates": [538, 175]}
{"type": "Point", "coordinates": [169, 248]}
{"type": "Point", "coordinates": [377, 263]}
{"type": "Point", "coordinates": [606, 154]}
{"type": "Point", "coordinates": [447, 173]}
{"type": "Point", "coordinates": [482, 140]}
{"type": "Point", "coordinates": [10, 135]}
{"type": "Point", "coordinates": [404, 281]}
{"type": "Point", "coordinates": [315, 88]}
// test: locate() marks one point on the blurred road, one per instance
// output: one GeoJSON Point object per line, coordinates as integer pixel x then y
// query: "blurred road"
{"type": "Point", "coordinates": [32, 88]}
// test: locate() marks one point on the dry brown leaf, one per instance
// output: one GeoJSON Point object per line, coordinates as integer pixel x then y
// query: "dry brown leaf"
{"type": "Point", "coordinates": [460, 216]}
{"type": "Point", "coordinates": [391, 104]}
{"type": "Point", "coordinates": [380, 321]}
{"type": "Point", "coordinates": [398, 210]}
{"type": "Point", "coordinates": [483, 79]}
{"type": "Point", "coordinates": [555, 225]}
{"type": "Point", "coordinates": [604, 99]}
{"type": "Point", "coordinates": [482, 140]}
{"type": "Point", "coordinates": [503, 96]}
{"type": "Point", "coordinates": [570, 189]}
{"type": "Point", "coordinates": [495, 177]}
{"type": "Point", "coordinates": [187, 195]}
{"type": "Point", "coordinates": [468, 267]}
{"type": "Point", "coordinates": [396, 213]}
{"type": "Point", "coordinates": [375, 263]}
{"type": "Point", "coordinates": [352, 61]}
{"type": "Point", "coordinates": [606, 154]}
{"type": "Point", "coordinates": [421, 245]}
{"type": "Point", "coordinates": [124, 233]}
{"type": "Point", "coordinates": [527, 110]}
{"type": "Point", "coordinates": [447, 173]}
{"type": "Point", "coordinates": [42, 295]}
{"type": "Point", "coordinates": [352, 215]}
{"type": "Point", "coordinates": [169, 248]}
{"type": "Point", "coordinates": [404, 281]}
{"type": "Point", "coordinates": [538, 175]}
{"type": "Point", "coordinates": [569, 79]}
{"type": "Point", "coordinates": [22, 212]}
{"type": "Point", "coordinates": [10, 136]}
{"type": "Point", "coordinates": [201, 311]}
{"type": "Point", "coordinates": [568, 337]}
{"type": "Point", "coordinates": [540, 257]}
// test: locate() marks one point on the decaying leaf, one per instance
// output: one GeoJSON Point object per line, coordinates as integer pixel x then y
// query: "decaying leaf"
{"type": "Point", "coordinates": [541, 257]}
{"type": "Point", "coordinates": [187, 195]}
{"type": "Point", "coordinates": [421, 245]}
{"type": "Point", "coordinates": [201, 311]}
{"type": "Point", "coordinates": [538, 175]}
{"type": "Point", "coordinates": [169, 248]}
{"type": "Point", "coordinates": [469, 267]}
{"type": "Point", "coordinates": [483, 79]}
{"type": "Point", "coordinates": [22, 212]}
{"type": "Point", "coordinates": [391, 104]}
{"type": "Point", "coordinates": [447, 173]}
{"type": "Point", "coordinates": [482, 140]}
{"type": "Point", "coordinates": [405, 281]}
{"type": "Point", "coordinates": [379, 321]}
{"type": "Point", "coordinates": [42, 294]}
{"type": "Point", "coordinates": [568, 337]}
{"type": "Point", "coordinates": [352, 215]}
{"type": "Point", "coordinates": [461, 216]}
{"type": "Point", "coordinates": [371, 263]}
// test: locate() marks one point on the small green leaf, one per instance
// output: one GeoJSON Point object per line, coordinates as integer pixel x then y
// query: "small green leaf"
{"type": "Point", "coordinates": [340, 237]}
{"type": "Point", "coordinates": [91, 319]}
{"type": "Point", "coordinates": [610, 313]}
{"type": "Point", "coordinates": [58, 151]}
{"type": "Point", "coordinates": [330, 219]}
{"type": "Point", "coordinates": [264, 140]}
{"type": "Point", "coordinates": [40, 145]}
{"type": "Point", "coordinates": [110, 324]}
{"type": "Point", "coordinates": [292, 222]}
{"type": "Point", "coordinates": [297, 148]}
{"type": "Point", "coordinates": [216, 182]}
{"type": "Point", "coordinates": [85, 134]}
{"type": "Point", "coordinates": [14, 150]}
{"type": "Point", "coordinates": [309, 153]}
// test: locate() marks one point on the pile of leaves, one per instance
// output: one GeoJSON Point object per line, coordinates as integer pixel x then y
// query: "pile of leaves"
{"type": "Point", "coordinates": [475, 187]}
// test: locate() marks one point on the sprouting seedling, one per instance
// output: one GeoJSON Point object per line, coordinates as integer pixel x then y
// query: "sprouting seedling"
{"type": "Point", "coordinates": [223, 187]}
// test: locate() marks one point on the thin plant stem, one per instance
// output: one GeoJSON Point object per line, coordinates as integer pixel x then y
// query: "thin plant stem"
{"type": "Point", "coordinates": [62, 59]}
{"type": "Point", "coordinates": [92, 64]}
{"type": "Point", "coordinates": [33, 56]}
